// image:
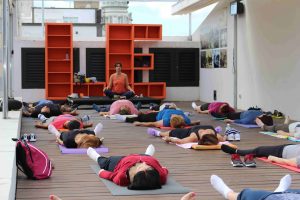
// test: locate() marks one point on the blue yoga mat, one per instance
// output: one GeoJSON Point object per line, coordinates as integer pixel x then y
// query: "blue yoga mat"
{"type": "Point", "coordinates": [247, 125]}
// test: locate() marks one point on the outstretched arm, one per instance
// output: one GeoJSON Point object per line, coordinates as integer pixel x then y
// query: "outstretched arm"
{"type": "Point", "coordinates": [291, 162]}
{"type": "Point", "coordinates": [127, 84]}
{"type": "Point", "coordinates": [41, 125]}
{"type": "Point", "coordinates": [109, 86]}
{"type": "Point", "coordinates": [149, 124]}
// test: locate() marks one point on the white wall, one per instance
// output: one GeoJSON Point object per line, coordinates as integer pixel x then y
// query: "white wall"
{"type": "Point", "coordinates": [268, 56]}
{"type": "Point", "coordinates": [173, 93]}
{"type": "Point", "coordinates": [219, 79]}
{"type": "Point", "coordinates": [268, 59]}
{"type": "Point", "coordinates": [83, 33]}
{"type": "Point", "coordinates": [56, 15]}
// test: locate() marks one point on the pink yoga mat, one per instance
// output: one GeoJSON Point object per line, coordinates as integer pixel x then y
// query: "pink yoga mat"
{"type": "Point", "coordinates": [295, 169]}
{"type": "Point", "coordinates": [65, 150]}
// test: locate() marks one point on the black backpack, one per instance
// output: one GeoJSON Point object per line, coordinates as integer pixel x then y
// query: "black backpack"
{"type": "Point", "coordinates": [12, 104]}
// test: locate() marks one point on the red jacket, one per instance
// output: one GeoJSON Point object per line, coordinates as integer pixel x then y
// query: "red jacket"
{"type": "Point", "coordinates": [118, 176]}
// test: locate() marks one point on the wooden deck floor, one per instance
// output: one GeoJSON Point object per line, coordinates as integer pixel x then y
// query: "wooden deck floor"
{"type": "Point", "coordinates": [73, 179]}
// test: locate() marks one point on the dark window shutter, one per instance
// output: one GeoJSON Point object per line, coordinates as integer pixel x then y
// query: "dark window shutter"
{"type": "Point", "coordinates": [76, 59]}
{"type": "Point", "coordinates": [95, 63]}
{"type": "Point", "coordinates": [138, 74]}
{"type": "Point", "coordinates": [163, 65]}
{"type": "Point", "coordinates": [33, 68]}
{"type": "Point", "coordinates": [176, 66]}
{"type": "Point", "coordinates": [188, 67]}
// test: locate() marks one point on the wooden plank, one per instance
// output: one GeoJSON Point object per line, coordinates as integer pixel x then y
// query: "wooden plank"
{"type": "Point", "coordinates": [73, 179]}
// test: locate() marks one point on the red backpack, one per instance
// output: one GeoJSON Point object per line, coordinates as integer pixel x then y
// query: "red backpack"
{"type": "Point", "coordinates": [32, 161]}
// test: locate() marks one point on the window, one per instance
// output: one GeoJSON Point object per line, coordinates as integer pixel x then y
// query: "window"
{"type": "Point", "coordinates": [175, 66]}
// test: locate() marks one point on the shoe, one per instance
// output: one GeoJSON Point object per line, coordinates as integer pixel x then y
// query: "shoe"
{"type": "Point", "coordinates": [74, 95]}
{"type": "Point", "coordinates": [32, 137]}
{"type": "Point", "coordinates": [122, 97]}
{"type": "Point", "coordinates": [116, 96]}
{"type": "Point", "coordinates": [85, 118]}
{"type": "Point", "coordinates": [194, 106]}
{"type": "Point", "coordinates": [230, 137]}
{"type": "Point", "coordinates": [42, 117]}
{"type": "Point", "coordinates": [236, 161]}
{"type": "Point", "coordinates": [237, 137]}
{"type": "Point", "coordinates": [120, 117]}
{"type": "Point", "coordinates": [152, 132]}
{"type": "Point", "coordinates": [24, 137]}
{"type": "Point", "coordinates": [249, 160]}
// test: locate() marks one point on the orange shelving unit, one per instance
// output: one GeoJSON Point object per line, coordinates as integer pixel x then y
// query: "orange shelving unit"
{"type": "Point", "coordinates": [89, 89]}
{"type": "Point", "coordinates": [58, 60]}
{"type": "Point", "coordinates": [120, 48]}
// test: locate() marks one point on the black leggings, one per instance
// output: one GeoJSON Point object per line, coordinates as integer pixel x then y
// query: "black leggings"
{"type": "Point", "coordinates": [149, 117]}
{"type": "Point", "coordinates": [264, 151]}
{"type": "Point", "coordinates": [186, 132]}
{"type": "Point", "coordinates": [109, 163]}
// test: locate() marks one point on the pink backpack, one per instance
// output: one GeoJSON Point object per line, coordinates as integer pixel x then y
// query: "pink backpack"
{"type": "Point", "coordinates": [32, 161]}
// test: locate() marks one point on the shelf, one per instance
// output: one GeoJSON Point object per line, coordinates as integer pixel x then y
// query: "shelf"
{"type": "Point", "coordinates": [143, 62]}
{"type": "Point", "coordinates": [121, 47]}
{"type": "Point", "coordinates": [59, 77]}
{"type": "Point", "coordinates": [59, 35]}
{"type": "Point", "coordinates": [58, 29]}
{"type": "Point", "coordinates": [125, 59]}
{"type": "Point", "coordinates": [154, 32]}
{"type": "Point", "coordinates": [116, 39]}
{"type": "Point", "coordinates": [140, 32]}
{"type": "Point", "coordinates": [58, 47]}
{"type": "Point", "coordinates": [59, 90]}
{"type": "Point", "coordinates": [59, 54]}
{"type": "Point", "coordinates": [59, 41]}
{"type": "Point", "coordinates": [120, 32]}
{"type": "Point", "coordinates": [56, 98]}
{"type": "Point", "coordinates": [59, 72]}
{"type": "Point", "coordinates": [59, 83]}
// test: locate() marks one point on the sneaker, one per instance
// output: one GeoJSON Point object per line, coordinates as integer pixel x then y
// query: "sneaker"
{"type": "Point", "coordinates": [116, 96]}
{"type": "Point", "coordinates": [230, 137]}
{"type": "Point", "coordinates": [42, 117]}
{"type": "Point", "coordinates": [237, 137]}
{"type": "Point", "coordinates": [120, 117]}
{"type": "Point", "coordinates": [32, 137]}
{"type": "Point", "coordinates": [24, 137]}
{"type": "Point", "coordinates": [85, 118]}
{"type": "Point", "coordinates": [194, 106]}
{"type": "Point", "coordinates": [153, 132]}
{"type": "Point", "coordinates": [236, 161]}
{"type": "Point", "coordinates": [249, 160]}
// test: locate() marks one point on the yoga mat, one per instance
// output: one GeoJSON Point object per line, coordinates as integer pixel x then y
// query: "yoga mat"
{"type": "Point", "coordinates": [170, 128]}
{"type": "Point", "coordinates": [171, 187]}
{"type": "Point", "coordinates": [219, 118]}
{"type": "Point", "coordinates": [273, 134]}
{"type": "Point", "coordinates": [293, 139]}
{"type": "Point", "coordinates": [247, 125]}
{"type": "Point", "coordinates": [295, 169]}
{"type": "Point", "coordinates": [196, 146]}
{"type": "Point", "coordinates": [65, 150]}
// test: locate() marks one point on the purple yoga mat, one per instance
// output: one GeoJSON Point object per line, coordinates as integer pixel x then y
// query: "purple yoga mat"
{"type": "Point", "coordinates": [65, 150]}
{"type": "Point", "coordinates": [247, 125]}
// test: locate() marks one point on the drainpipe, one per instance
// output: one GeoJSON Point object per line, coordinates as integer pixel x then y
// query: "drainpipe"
{"type": "Point", "coordinates": [43, 19]}
{"type": "Point", "coordinates": [235, 62]}
{"type": "Point", "coordinates": [5, 58]}
{"type": "Point", "coordinates": [190, 27]}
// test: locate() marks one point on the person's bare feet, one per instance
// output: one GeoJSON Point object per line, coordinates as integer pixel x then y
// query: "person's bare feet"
{"type": "Point", "coordinates": [259, 122]}
{"type": "Point", "coordinates": [287, 120]}
{"type": "Point", "coordinates": [54, 197]}
{"type": "Point", "coordinates": [189, 196]}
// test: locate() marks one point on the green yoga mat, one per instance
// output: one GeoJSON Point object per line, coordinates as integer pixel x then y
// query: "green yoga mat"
{"type": "Point", "coordinates": [171, 187]}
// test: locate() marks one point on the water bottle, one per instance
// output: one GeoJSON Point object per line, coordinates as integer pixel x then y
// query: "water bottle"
{"type": "Point", "coordinates": [67, 56]}
{"type": "Point", "coordinates": [227, 127]}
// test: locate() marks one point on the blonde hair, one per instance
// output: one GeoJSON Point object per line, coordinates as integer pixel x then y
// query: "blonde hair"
{"type": "Point", "coordinates": [177, 121]}
{"type": "Point", "coordinates": [85, 141]}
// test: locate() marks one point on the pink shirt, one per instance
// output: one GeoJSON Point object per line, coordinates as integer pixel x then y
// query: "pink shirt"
{"type": "Point", "coordinates": [59, 121]}
{"type": "Point", "coordinates": [214, 107]}
{"type": "Point", "coordinates": [115, 107]}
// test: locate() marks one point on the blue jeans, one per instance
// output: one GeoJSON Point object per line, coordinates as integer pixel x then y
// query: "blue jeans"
{"type": "Point", "coordinates": [249, 194]}
{"type": "Point", "coordinates": [111, 94]}
{"type": "Point", "coordinates": [43, 101]}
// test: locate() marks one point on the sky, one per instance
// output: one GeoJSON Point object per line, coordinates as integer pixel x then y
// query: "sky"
{"type": "Point", "coordinates": [153, 13]}
{"type": "Point", "coordinates": [160, 13]}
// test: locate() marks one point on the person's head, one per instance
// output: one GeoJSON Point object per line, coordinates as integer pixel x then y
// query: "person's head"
{"type": "Point", "coordinates": [208, 137]}
{"type": "Point", "coordinates": [65, 108]}
{"type": "Point", "coordinates": [45, 109]}
{"type": "Point", "coordinates": [267, 120]}
{"type": "Point", "coordinates": [146, 178]}
{"type": "Point", "coordinates": [224, 108]}
{"type": "Point", "coordinates": [177, 121]}
{"type": "Point", "coordinates": [124, 110]}
{"type": "Point", "coordinates": [118, 67]}
{"type": "Point", "coordinates": [86, 141]}
{"type": "Point", "coordinates": [72, 124]}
